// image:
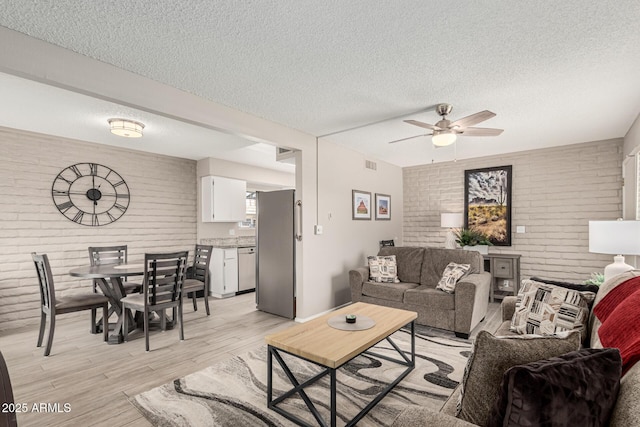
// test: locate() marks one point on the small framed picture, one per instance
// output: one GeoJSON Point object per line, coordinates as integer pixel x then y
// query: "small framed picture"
{"type": "Point", "coordinates": [361, 204]}
{"type": "Point", "coordinates": [383, 206]}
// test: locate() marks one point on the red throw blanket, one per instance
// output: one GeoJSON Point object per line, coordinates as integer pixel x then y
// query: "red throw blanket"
{"type": "Point", "coordinates": [618, 294]}
{"type": "Point", "coordinates": [619, 312]}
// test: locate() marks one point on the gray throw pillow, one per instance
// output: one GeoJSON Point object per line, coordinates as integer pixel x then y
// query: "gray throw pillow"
{"type": "Point", "coordinates": [576, 389]}
{"type": "Point", "coordinates": [491, 358]}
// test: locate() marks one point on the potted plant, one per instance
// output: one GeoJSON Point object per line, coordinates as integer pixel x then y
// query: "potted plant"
{"type": "Point", "coordinates": [472, 239]}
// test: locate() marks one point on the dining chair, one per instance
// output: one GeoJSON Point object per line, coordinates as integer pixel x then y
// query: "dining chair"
{"type": "Point", "coordinates": [52, 306]}
{"type": "Point", "coordinates": [161, 289]}
{"type": "Point", "coordinates": [104, 255]}
{"type": "Point", "coordinates": [198, 276]}
{"type": "Point", "coordinates": [7, 417]}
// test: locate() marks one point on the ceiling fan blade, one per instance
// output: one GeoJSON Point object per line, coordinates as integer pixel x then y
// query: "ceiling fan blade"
{"type": "Point", "coordinates": [422, 125]}
{"type": "Point", "coordinates": [473, 119]}
{"type": "Point", "coordinates": [481, 132]}
{"type": "Point", "coordinates": [405, 139]}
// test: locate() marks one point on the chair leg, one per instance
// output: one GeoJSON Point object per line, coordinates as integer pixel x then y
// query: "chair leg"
{"type": "Point", "coordinates": [125, 323]}
{"type": "Point", "coordinates": [180, 320]}
{"type": "Point", "coordinates": [52, 327]}
{"type": "Point", "coordinates": [195, 301]}
{"type": "Point", "coordinates": [93, 321]}
{"type": "Point", "coordinates": [105, 321]}
{"type": "Point", "coordinates": [206, 301]}
{"type": "Point", "coordinates": [43, 320]}
{"type": "Point", "coordinates": [146, 329]}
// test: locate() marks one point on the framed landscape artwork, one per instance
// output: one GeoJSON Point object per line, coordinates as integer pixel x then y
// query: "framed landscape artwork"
{"type": "Point", "coordinates": [383, 206]}
{"type": "Point", "coordinates": [487, 203]}
{"type": "Point", "coordinates": [361, 204]}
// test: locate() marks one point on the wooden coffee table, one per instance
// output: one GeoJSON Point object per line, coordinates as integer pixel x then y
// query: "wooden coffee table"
{"type": "Point", "coordinates": [315, 341]}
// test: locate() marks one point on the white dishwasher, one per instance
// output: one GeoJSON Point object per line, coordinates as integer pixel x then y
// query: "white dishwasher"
{"type": "Point", "coordinates": [246, 269]}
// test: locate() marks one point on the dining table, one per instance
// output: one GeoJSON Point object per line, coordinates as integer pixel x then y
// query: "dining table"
{"type": "Point", "coordinates": [109, 278]}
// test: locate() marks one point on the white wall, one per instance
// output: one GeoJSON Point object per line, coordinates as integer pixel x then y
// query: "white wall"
{"type": "Point", "coordinates": [632, 138]}
{"type": "Point", "coordinates": [257, 178]}
{"type": "Point", "coordinates": [556, 191]}
{"type": "Point", "coordinates": [161, 214]}
{"type": "Point", "coordinates": [345, 242]}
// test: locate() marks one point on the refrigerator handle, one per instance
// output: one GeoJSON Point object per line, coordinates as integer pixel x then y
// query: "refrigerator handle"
{"type": "Point", "coordinates": [298, 220]}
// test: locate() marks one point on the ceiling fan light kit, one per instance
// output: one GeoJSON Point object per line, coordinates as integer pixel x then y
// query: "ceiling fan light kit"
{"type": "Point", "coordinates": [126, 128]}
{"type": "Point", "coordinates": [445, 131]}
{"type": "Point", "coordinates": [442, 138]}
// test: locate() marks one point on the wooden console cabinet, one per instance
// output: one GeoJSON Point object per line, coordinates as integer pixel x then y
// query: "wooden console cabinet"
{"type": "Point", "coordinates": [505, 274]}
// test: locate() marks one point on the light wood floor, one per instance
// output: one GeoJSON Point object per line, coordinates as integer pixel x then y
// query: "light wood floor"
{"type": "Point", "coordinates": [97, 380]}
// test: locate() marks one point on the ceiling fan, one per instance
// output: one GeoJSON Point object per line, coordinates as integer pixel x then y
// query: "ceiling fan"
{"type": "Point", "coordinates": [445, 131]}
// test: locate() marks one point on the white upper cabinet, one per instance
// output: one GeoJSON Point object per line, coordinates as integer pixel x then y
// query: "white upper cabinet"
{"type": "Point", "coordinates": [223, 199]}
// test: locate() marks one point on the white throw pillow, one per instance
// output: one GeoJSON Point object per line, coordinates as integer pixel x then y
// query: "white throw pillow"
{"type": "Point", "coordinates": [452, 273]}
{"type": "Point", "coordinates": [383, 269]}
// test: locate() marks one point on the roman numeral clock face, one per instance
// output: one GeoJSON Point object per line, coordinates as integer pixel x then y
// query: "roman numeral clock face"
{"type": "Point", "coordinates": [90, 194]}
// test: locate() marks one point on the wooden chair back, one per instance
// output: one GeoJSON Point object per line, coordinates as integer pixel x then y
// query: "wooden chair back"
{"type": "Point", "coordinates": [105, 255]}
{"type": "Point", "coordinates": [201, 261]}
{"type": "Point", "coordinates": [163, 278]}
{"type": "Point", "coordinates": [45, 277]}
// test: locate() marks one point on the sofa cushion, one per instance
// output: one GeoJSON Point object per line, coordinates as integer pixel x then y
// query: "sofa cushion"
{"type": "Point", "coordinates": [547, 309]}
{"type": "Point", "coordinates": [408, 259]}
{"type": "Point", "coordinates": [437, 259]}
{"type": "Point", "coordinates": [430, 298]}
{"type": "Point", "coordinates": [491, 358]}
{"type": "Point", "coordinates": [382, 269]}
{"type": "Point", "coordinates": [621, 328]}
{"type": "Point", "coordinates": [387, 291]}
{"type": "Point", "coordinates": [575, 389]}
{"type": "Point", "coordinates": [451, 275]}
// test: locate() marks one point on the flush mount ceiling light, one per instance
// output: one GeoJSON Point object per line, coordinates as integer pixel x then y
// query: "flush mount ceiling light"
{"type": "Point", "coordinates": [126, 128]}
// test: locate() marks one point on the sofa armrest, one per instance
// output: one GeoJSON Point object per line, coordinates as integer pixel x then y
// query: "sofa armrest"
{"type": "Point", "coordinates": [508, 307]}
{"type": "Point", "coordinates": [356, 278]}
{"type": "Point", "coordinates": [472, 301]}
{"type": "Point", "coordinates": [419, 416]}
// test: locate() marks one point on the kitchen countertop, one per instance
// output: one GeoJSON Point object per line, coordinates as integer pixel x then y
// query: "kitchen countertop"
{"type": "Point", "coordinates": [230, 242]}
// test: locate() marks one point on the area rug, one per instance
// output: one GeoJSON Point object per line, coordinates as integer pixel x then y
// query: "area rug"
{"type": "Point", "coordinates": [233, 393]}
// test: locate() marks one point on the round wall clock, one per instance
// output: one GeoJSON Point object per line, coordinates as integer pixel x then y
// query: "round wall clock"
{"type": "Point", "coordinates": [90, 194]}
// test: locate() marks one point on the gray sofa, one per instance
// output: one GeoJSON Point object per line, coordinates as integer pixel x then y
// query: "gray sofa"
{"type": "Point", "coordinates": [625, 413]}
{"type": "Point", "coordinates": [419, 270]}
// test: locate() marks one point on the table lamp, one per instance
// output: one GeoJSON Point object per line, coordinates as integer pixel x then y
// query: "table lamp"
{"type": "Point", "coordinates": [450, 220]}
{"type": "Point", "coordinates": [615, 238]}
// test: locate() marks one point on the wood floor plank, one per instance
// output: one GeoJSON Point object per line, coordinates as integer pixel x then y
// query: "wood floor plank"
{"type": "Point", "coordinates": [98, 380]}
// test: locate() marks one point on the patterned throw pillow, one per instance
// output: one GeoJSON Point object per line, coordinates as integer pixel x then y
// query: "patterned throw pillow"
{"type": "Point", "coordinates": [547, 309]}
{"type": "Point", "coordinates": [383, 269]}
{"type": "Point", "coordinates": [452, 273]}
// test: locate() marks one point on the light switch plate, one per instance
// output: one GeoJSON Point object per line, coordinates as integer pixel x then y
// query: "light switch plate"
{"type": "Point", "coordinates": [520, 229]}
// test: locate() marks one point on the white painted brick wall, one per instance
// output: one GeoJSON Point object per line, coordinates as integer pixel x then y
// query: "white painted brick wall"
{"type": "Point", "coordinates": [555, 192]}
{"type": "Point", "coordinates": [161, 215]}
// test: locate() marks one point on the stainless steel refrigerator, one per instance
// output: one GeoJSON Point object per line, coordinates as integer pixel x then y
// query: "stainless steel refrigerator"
{"type": "Point", "coordinates": [276, 257]}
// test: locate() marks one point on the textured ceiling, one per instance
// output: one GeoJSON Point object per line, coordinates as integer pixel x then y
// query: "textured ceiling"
{"type": "Point", "coordinates": [554, 72]}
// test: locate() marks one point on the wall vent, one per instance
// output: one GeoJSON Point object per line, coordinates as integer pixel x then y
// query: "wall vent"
{"type": "Point", "coordinates": [368, 164]}
{"type": "Point", "coordinates": [285, 155]}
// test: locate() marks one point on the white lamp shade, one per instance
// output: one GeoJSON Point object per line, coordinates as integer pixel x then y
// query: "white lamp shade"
{"type": "Point", "coordinates": [451, 220]}
{"type": "Point", "coordinates": [614, 237]}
